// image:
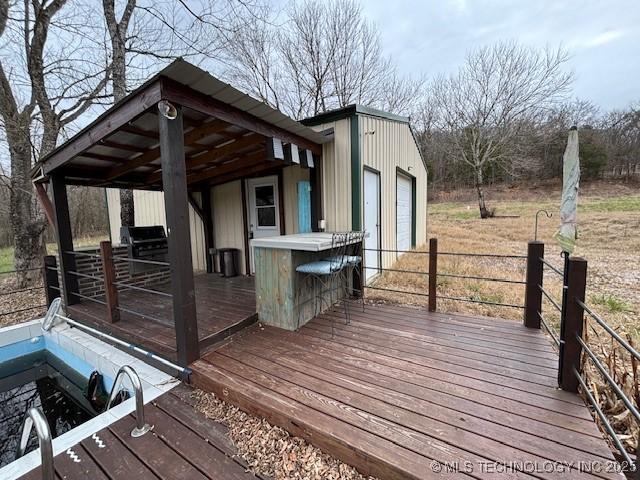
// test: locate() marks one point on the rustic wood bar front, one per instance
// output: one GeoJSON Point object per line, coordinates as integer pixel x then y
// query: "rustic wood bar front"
{"type": "Point", "coordinates": [285, 298]}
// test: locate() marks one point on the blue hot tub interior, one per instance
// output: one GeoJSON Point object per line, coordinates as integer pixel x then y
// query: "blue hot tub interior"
{"type": "Point", "coordinates": [40, 373]}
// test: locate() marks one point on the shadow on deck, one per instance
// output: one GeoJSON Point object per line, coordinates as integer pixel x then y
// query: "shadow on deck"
{"type": "Point", "coordinates": [404, 393]}
{"type": "Point", "coordinates": [223, 306]}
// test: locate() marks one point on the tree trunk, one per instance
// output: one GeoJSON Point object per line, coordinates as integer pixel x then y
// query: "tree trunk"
{"type": "Point", "coordinates": [484, 212]}
{"type": "Point", "coordinates": [119, 82]}
{"type": "Point", "coordinates": [27, 221]}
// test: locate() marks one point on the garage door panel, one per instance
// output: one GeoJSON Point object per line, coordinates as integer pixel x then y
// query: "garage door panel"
{"type": "Point", "coordinates": [403, 212]}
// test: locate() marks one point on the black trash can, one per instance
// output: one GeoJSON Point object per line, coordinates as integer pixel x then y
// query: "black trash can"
{"type": "Point", "coordinates": [229, 259]}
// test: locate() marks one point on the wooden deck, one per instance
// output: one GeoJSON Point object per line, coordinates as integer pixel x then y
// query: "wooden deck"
{"type": "Point", "coordinates": [183, 445]}
{"type": "Point", "coordinates": [403, 393]}
{"type": "Point", "coordinates": [224, 305]}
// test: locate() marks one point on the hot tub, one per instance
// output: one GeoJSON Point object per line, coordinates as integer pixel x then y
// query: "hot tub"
{"type": "Point", "coordinates": [35, 363]}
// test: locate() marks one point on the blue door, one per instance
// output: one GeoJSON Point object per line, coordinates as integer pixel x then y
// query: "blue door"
{"type": "Point", "coordinates": [304, 206]}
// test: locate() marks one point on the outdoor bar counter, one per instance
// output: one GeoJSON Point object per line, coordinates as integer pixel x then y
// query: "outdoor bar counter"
{"type": "Point", "coordinates": [276, 280]}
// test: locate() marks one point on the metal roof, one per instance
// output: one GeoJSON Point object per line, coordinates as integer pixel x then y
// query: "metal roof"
{"type": "Point", "coordinates": [192, 76]}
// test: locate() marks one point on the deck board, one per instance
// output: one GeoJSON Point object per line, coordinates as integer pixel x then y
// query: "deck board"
{"type": "Point", "coordinates": [222, 304]}
{"type": "Point", "coordinates": [398, 388]}
{"type": "Point", "coordinates": [183, 445]}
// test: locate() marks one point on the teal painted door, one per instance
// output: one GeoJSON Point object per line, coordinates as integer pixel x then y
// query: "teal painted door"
{"type": "Point", "coordinates": [304, 206]}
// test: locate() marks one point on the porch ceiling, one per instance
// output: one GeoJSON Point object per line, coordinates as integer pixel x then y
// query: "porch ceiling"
{"type": "Point", "coordinates": [226, 135]}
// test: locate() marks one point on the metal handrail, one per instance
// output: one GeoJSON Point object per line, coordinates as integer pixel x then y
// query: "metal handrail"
{"type": "Point", "coordinates": [387, 250]}
{"type": "Point", "coordinates": [380, 269]}
{"type": "Point", "coordinates": [141, 426]}
{"type": "Point", "coordinates": [549, 330]}
{"type": "Point", "coordinates": [487, 279]}
{"type": "Point", "coordinates": [605, 421]}
{"type": "Point", "coordinates": [481, 302]}
{"type": "Point", "coordinates": [397, 291]}
{"type": "Point", "coordinates": [140, 260]}
{"type": "Point", "coordinates": [35, 418]}
{"type": "Point", "coordinates": [609, 330]}
{"type": "Point", "coordinates": [551, 266]}
{"type": "Point", "coordinates": [550, 298]}
{"type": "Point", "coordinates": [490, 255]}
{"type": "Point", "coordinates": [607, 376]}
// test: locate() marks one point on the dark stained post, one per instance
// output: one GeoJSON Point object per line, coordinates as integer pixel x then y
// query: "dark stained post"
{"type": "Point", "coordinates": [207, 221]}
{"type": "Point", "coordinates": [50, 278]}
{"type": "Point", "coordinates": [176, 201]}
{"type": "Point", "coordinates": [64, 238]}
{"type": "Point", "coordinates": [433, 273]}
{"type": "Point", "coordinates": [533, 292]}
{"type": "Point", "coordinates": [315, 182]}
{"type": "Point", "coordinates": [572, 324]}
{"type": "Point", "coordinates": [110, 289]}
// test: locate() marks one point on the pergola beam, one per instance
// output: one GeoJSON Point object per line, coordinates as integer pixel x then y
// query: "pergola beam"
{"type": "Point", "coordinates": [106, 124]}
{"type": "Point", "coordinates": [190, 138]}
{"type": "Point", "coordinates": [188, 97]}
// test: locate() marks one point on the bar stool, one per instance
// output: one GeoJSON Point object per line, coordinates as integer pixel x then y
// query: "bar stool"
{"type": "Point", "coordinates": [326, 276]}
{"type": "Point", "coordinates": [353, 261]}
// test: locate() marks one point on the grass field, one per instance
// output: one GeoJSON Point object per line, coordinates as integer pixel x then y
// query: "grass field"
{"type": "Point", "coordinates": [609, 239]}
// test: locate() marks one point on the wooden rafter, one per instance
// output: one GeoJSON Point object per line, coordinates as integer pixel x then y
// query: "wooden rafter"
{"type": "Point", "coordinates": [141, 132]}
{"type": "Point", "coordinates": [190, 138]}
{"type": "Point", "coordinates": [105, 125]}
{"type": "Point", "coordinates": [188, 97]}
{"type": "Point", "coordinates": [249, 160]}
{"type": "Point", "coordinates": [214, 154]}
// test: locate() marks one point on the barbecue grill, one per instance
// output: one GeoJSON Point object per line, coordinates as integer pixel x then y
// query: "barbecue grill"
{"type": "Point", "coordinates": [145, 243]}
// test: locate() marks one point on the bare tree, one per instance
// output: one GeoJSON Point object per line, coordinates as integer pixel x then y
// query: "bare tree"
{"type": "Point", "coordinates": [497, 95]}
{"type": "Point", "coordinates": [322, 55]}
{"type": "Point", "coordinates": [118, 33]}
{"type": "Point", "coordinates": [43, 89]}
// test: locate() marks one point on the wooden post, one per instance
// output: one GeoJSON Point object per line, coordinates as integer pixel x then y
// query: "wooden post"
{"type": "Point", "coordinates": [572, 324]}
{"type": "Point", "coordinates": [64, 239]}
{"type": "Point", "coordinates": [207, 221]}
{"type": "Point", "coordinates": [110, 289]}
{"type": "Point", "coordinates": [176, 201]}
{"type": "Point", "coordinates": [315, 182]}
{"type": "Point", "coordinates": [532, 293]}
{"type": "Point", "coordinates": [50, 278]}
{"type": "Point", "coordinates": [433, 273]}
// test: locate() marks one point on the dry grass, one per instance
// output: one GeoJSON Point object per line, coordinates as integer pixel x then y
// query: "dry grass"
{"type": "Point", "coordinates": [270, 450]}
{"type": "Point", "coordinates": [609, 238]}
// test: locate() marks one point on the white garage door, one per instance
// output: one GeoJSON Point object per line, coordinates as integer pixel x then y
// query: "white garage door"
{"type": "Point", "coordinates": [403, 213]}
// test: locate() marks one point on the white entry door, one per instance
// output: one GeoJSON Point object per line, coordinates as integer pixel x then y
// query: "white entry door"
{"type": "Point", "coordinates": [404, 215]}
{"type": "Point", "coordinates": [371, 223]}
{"type": "Point", "coordinates": [264, 209]}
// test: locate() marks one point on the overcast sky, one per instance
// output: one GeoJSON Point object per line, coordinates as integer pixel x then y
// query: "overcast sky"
{"type": "Point", "coordinates": [603, 37]}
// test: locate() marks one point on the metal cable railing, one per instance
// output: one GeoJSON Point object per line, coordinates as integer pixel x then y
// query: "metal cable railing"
{"type": "Point", "coordinates": [549, 330]}
{"type": "Point", "coordinates": [551, 267]}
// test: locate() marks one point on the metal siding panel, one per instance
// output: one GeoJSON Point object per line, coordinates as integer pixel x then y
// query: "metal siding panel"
{"type": "Point", "coordinates": [392, 145]}
{"type": "Point", "coordinates": [337, 176]}
{"type": "Point", "coordinates": [228, 218]}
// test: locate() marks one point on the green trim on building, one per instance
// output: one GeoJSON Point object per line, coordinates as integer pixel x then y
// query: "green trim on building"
{"type": "Point", "coordinates": [345, 112]}
{"type": "Point", "coordinates": [356, 174]}
{"type": "Point", "coordinates": [414, 204]}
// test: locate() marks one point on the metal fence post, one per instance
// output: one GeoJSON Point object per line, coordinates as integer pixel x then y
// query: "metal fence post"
{"type": "Point", "coordinates": [50, 278]}
{"type": "Point", "coordinates": [571, 324]}
{"type": "Point", "coordinates": [433, 273]}
{"type": "Point", "coordinates": [533, 292]}
{"type": "Point", "coordinates": [110, 289]}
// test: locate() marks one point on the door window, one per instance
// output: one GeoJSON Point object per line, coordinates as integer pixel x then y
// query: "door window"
{"type": "Point", "coordinates": [265, 206]}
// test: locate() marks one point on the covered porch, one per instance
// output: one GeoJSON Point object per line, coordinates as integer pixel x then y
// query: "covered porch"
{"type": "Point", "coordinates": [182, 133]}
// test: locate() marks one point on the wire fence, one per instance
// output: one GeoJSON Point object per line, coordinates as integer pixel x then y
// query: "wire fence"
{"type": "Point", "coordinates": [21, 295]}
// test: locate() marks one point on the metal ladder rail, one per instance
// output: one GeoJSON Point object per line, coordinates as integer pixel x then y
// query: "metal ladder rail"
{"type": "Point", "coordinates": [141, 426]}
{"type": "Point", "coordinates": [35, 418]}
